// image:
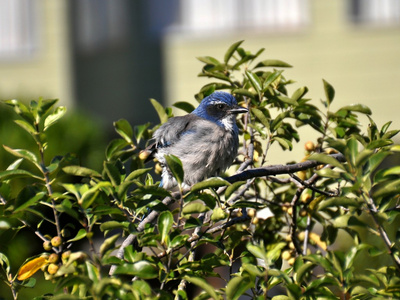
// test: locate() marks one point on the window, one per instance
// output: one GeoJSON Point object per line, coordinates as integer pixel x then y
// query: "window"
{"type": "Point", "coordinates": [229, 15]}
{"type": "Point", "coordinates": [18, 28]}
{"type": "Point", "coordinates": [375, 12]}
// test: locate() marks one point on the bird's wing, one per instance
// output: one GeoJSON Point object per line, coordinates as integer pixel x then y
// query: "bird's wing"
{"type": "Point", "coordinates": [170, 132]}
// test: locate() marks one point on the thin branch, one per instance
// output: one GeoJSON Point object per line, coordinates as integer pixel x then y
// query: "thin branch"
{"type": "Point", "coordinates": [386, 240]}
{"type": "Point", "coordinates": [279, 169]}
{"type": "Point", "coordinates": [132, 237]}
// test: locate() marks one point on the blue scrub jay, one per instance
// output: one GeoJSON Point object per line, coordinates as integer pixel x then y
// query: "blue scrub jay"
{"type": "Point", "coordinates": [206, 140]}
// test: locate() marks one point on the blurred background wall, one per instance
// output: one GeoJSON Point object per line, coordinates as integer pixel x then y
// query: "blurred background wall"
{"type": "Point", "coordinates": [109, 57]}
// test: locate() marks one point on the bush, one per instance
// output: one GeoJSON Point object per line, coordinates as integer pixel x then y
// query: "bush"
{"type": "Point", "coordinates": [268, 232]}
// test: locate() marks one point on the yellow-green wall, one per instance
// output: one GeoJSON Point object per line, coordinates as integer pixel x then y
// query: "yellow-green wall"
{"type": "Point", "coordinates": [47, 73]}
{"type": "Point", "coordinates": [362, 63]}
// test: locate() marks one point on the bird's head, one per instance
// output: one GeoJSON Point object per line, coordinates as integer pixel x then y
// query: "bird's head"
{"type": "Point", "coordinates": [221, 108]}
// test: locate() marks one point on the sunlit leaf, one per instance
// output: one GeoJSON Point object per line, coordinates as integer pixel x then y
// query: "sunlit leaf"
{"type": "Point", "coordinates": [204, 285]}
{"type": "Point", "coordinates": [231, 50]}
{"type": "Point", "coordinates": [329, 92]}
{"type": "Point", "coordinates": [27, 126]}
{"type": "Point", "coordinates": [254, 80]}
{"type": "Point", "coordinates": [237, 286]}
{"type": "Point", "coordinates": [357, 108]}
{"type": "Point", "coordinates": [175, 166]}
{"type": "Point", "coordinates": [108, 244]}
{"type": "Point", "coordinates": [270, 79]}
{"type": "Point", "coordinates": [142, 269]}
{"type": "Point", "coordinates": [30, 267]}
{"type": "Point", "coordinates": [194, 207]}
{"type": "Point", "coordinates": [213, 182]}
{"type": "Point", "coordinates": [81, 171]}
{"type": "Point", "coordinates": [12, 174]}
{"type": "Point", "coordinates": [260, 116]}
{"type": "Point", "coordinates": [25, 154]}
{"type": "Point", "coordinates": [124, 129]}
{"type": "Point", "coordinates": [80, 235]}
{"type": "Point", "coordinates": [326, 159]}
{"type": "Point", "coordinates": [21, 205]}
{"type": "Point", "coordinates": [160, 110]}
{"type": "Point", "coordinates": [273, 63]}
{"type": "Point", "coordinates": [338, 201]}
{"type": "Point", "coordinates": [185, 106]}
{"type": "Point", "coordinates": [54, 117]}
{"type": "Point", "coordinates": [165, 222]}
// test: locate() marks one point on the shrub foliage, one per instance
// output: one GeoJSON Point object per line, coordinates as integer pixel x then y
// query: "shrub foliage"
{"type": "Point", "coordinates": [325, 227]}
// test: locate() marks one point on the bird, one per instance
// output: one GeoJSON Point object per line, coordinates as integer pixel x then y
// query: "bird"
{"type": "Point", "coordinates": [205, 140]}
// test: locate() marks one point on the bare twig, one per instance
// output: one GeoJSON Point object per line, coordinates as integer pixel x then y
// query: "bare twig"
{"type": "Point", "coordinates": [382, 232]}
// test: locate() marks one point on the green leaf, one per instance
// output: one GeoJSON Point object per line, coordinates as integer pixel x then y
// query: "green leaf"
{"type": "Point", "coordinates": [165, 222]}
{"type": "Point", "coordinates": [80, 171]}
{"type": "Point", "coordinates": [244, 92]}
{"type": "Point", "coordinates": [110, 225]}
{"type": "Point", "coordinates": [338, 201]}
{"type": "Point", "coordinates": [114, 147]}
{"type": "Point", "coordinates": [386, 188]}
{"type": "Point", "coordinates": [254, 80]}
{"type": "Point", "coordinates": [21, 109]}
{"type": "Point", "coordinates": [185, 106]}
{"type": "Point", "coordinates": [46, 105]}
{"type": "Point", "coordinates": [160, 110]}
{"type": "Point", "coordinates": [194, 208]}
{"type": "Point", "coordinates": [352, 150]}
{"type": "Point", "coordinates": [213, 182]}
{"type": "Point", "coordinates": [108, 244]}
{"type": "Point", "coordinates": [285, 144]}
{"type": "Point", "coordinates": [137, 173]}
{"type": "Point", "coordinates": [92, 194]}
{"type": "Point", "coordinates": [237, 286]}
{"type": "Point", "coordinates": [5, 263]}
{"type": "Point", "coordinates": [54, 117]}
{"type": "Point", "coordinates": [26, 126]}
{"type": "Point", "coordinates": [25, 154]}
{"type": "Point", "coordinates": [80, 235]}
{"type": "Point", "coordinates": [231, 50]}
{"type": "Point", "coordinates": [361, 108]}
{"type": "Point", "coordinates": [12, 174]}
{"type": "Point", "coordinates": [273, 63]}
{"type": "Point", "coordinates": [303, 271]}
{"type": "Point", "coordinates": [392, 171]}
{"type": "Point", "coordinates": [299, 93]}
{"type": "Point", "coordinates": [175, 166]}
{"type": "Point", "coordinates": [329, 92]}
{"type": "Point", "coordinates": [209, 60]}
{"type": "Point", "coordinates": [260, 116]}
{"type": "Point", "coordinates": [326, 159]}
{"type": "Point", "coordinates": [178, 241]}
{"type": "Point", "coordinates": [287, 100]}
{"type": "Point", "coordinates": [25, 203]}
{"type": "Point", "coordinates": [113, 173]}
{"type": "Point", "coordinates": [202, 284]}
{"type": "Point", "coordinates": [142, 269]}
{"type": "Point", "coordinates": [232, 188]}
{"type": "Point", "coordinates": [270, 79]}
{"type": "Point", "coordinates": [218, 214]}
{"type": "Point", "coordinates": [328, 172]}
{"type": "Point", "coordinates": [124, 129]}
{"type": "Point", "coordinates": [257, 251]}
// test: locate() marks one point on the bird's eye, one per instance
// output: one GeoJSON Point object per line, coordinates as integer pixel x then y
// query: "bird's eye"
{"type": "Point", "coordinates": [220, 106]}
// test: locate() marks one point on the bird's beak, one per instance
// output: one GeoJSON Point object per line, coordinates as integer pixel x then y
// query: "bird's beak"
{"type": "Point", "coordinates": [238, 110]}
